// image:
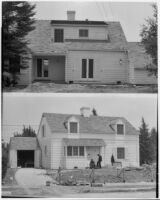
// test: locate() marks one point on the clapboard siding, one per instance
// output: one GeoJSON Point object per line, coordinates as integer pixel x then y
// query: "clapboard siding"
{"type": "Point", "coordinates": [97, 33]}
{"type": "Point", "coordinates": [13, 158]}
{"type": "Point", "coordinates": [107, 67]}
{"type": "Point", "coordinates": [129, 142]}
{"type": "Point", "coordinates": [142, 77]}
{"type": "Point", "coordinates": [45, 141]}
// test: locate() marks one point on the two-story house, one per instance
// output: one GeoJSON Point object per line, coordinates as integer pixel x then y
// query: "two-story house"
{"type": "Point", "coordinates": [77, 51]}
{"type": "Point", "coordinates": [69, 141]}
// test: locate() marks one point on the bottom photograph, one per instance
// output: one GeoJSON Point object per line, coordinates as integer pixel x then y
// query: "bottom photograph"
{"type": "Point", "coordinates": [81, 146]}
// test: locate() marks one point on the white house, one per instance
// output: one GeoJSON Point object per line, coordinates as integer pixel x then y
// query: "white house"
{"type": "Point", "coordinates": [69, 141]}
{"type": "Point", "coordinates": [80, 51]}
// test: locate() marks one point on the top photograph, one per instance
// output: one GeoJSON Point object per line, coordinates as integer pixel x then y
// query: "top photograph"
{"type": "Point", "coordinates": [79, 47]}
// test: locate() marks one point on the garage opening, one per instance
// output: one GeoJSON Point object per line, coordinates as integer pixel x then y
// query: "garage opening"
{"type": "Point", "coordinates": [25, 158]}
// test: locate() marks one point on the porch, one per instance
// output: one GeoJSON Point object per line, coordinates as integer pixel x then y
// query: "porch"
{"type": "Point", "coordinates": [79, 152]}
{"type": "Point", "coordinates": [48, 68]}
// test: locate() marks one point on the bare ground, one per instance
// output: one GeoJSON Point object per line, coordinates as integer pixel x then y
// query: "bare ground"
{"type": "Point", "coordinates": [82, 88]}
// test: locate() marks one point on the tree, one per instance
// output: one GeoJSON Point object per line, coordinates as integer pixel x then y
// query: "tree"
{"type": "Point", "coordinates": [17, 22]}
{"type": "Point", "coordinates": [26, 132]}
{"type": "Point", "coordinates": [94, 112]}
{"type": "Point", "coordinates": [145, 144]}
{"type": "Point", "coordinates": [153, 139]}
{"type": "Point", "coordinates": [149, 40]}
{"type": "Point", "coordinates": [5, 148]}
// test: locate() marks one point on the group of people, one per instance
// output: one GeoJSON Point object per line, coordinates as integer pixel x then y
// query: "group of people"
{"type": "Point", "coordinates": [92, 163]}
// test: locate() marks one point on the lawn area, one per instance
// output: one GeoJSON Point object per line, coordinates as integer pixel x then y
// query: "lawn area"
{"type": "Point", "coordinates": [82, 88]}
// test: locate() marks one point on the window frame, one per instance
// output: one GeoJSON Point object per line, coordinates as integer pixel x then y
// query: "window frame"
{"type": "Point", "coordinates": [72, 154]}
{"type": "Point", "coordinates": [88, 72]}
{"type": "Point", "coordinates": [73, 122]}
{"type": "Point", "coordinates": [83, 33]}
{"type": "Point", "coordinates": [121, 148]}
{"type": "Point", "coordinates": [58, 39]}
{"type": "Point", "coordinates": [120, 124]}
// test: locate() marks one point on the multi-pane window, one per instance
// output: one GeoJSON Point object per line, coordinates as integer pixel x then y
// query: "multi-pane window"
{"type": "Point", "coordinates": [58, 35]}
{"type": "Point", "coordinates": [83, 33]}
{"type": "Point", "coordinates": [120, 153]}
{"type": "Point", "coordinates": [75, 151]}
{"type": "Point", "coordinates": [120, 129]}
{"type": "Point", "coordinates": [87, 68]}
{"type": "Point", "coordinates": [73, 127]}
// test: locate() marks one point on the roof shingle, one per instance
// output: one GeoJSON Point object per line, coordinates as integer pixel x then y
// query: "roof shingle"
{"type": "Point", "coordinates": [92, 124]}
{"type": "Point", "coordinates": [24, 143]}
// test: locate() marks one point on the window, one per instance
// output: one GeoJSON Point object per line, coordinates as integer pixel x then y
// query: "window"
{"type": "Point", "coordinates": [43, 131]}
{"type": "Point", "coordinates": [39, 67]}
{"type": "Point", "coordinates": [45, 67]}
{"type": "Point", "coordinates": [83, 33]}
{"type": "Point", "coordinates": [75, 151]}
{"type": "Point", "coordinates": [73, 127]}
{"type": "Point", "coordinates": [120, 153]}
{"type": "Point", "coordinates": [120, 129]}
{"type": "Point", "coordinates": [81, 151]}
{"type": "Point", "coordinates": [87, 68]}
{"type": "Point", "coordinates": [58, 35]}
{"type": "Point", "coordinates": [69, 151]}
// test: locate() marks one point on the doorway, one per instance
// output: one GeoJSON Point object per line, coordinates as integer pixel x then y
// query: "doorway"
{"type": "Point", "coordinates": [25, 158]}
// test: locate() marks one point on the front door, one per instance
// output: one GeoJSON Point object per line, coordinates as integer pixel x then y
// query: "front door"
{"type": "Point", "coordinates": [92, 153]}
{"type": "Point", "coordinates": [42, 68]}
{"type": "Point", "coordinates": [87, 69]}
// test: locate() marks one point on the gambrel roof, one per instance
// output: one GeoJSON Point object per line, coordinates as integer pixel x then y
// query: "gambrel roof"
{"type": "Point", "coordinates": [40, 40]}
{"type": "Point", "coordinates": [92, 124]}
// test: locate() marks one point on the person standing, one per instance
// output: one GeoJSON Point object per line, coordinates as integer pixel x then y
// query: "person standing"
{"type": "Point", "coordinates": [112, 160]}
{"type": "Point", "coordinates": [99, 160]}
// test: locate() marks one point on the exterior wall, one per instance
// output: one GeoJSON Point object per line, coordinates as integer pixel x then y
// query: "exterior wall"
{"type": "Point", "coordinates": [72, 32]}
{"type": "Point", "coordinates": [129, 142]}
{"type": "Point", "coordinates": [45, 159]}
{"type": "Point", "coordinates": [56, 69]}
{"type": "Point", "coordinates": [37, 156]}
{"type": "Point", "coordinates": [13, 158]}
{"type": "Point", "coordinates": [142, 77]}
{"type": "Point", "coordinates": [107, 67]}
{"type": "Point", "coordinates": [25, 76]}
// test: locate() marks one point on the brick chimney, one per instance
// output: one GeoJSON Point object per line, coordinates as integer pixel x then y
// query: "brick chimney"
{"type": "Point", "coordinates": [85, 111]}
{"type": "Point", "coordinates": [71, 15]}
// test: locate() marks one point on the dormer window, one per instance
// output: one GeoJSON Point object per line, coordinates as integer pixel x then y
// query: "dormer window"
{"type": "Point", "coordinates": [120, 129]}
{"type": "Point", "coordinates": [83, 33]}
{"type": "Point", "coordinates": [73, 127]}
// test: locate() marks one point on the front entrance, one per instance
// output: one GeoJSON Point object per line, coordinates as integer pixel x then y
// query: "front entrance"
{"type": "Point", "coordinates": [25, 158]}
{"type": "Point", "coordinates": [50, 68]}
{"type": "Point", "coordinates": [92, 153]}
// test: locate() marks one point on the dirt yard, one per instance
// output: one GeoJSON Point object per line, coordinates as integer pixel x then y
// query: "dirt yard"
{"type": "Point", "coordinates": [81, 88]}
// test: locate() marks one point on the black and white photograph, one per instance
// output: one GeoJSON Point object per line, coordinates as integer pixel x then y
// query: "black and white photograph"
{"type": "Point", "coordinates": [76, 147]}
{"type": "Point", "coordinates": [79, 99]}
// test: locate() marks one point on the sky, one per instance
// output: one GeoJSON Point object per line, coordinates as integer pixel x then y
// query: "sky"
{"type": "Point", "coordinates": [26, 109]}
{"type": "Point", "coordinates": [131, 14]}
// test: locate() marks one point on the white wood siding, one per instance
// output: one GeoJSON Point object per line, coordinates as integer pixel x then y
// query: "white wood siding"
{"type": "Point", "coordinates": [107, 67]}
{"type": "Point", "coordinates": [141, 77]}
{"type": "Point", "coordinates": [45, 141]}
{"type": "Point", "coordinates": [25, 76]}
{"type": "Point", "coordinates": [129, 142]}
{"type": "Point", "coordinates": [13, 158]}
{"type": "Point", "coordinates": [97, 33]}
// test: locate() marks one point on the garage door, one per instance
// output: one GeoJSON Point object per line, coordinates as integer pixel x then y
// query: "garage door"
{"type": "Point", "coordinates": [25, 158]}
